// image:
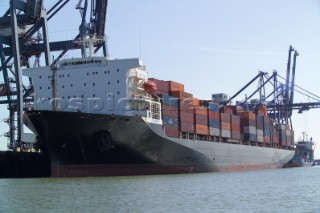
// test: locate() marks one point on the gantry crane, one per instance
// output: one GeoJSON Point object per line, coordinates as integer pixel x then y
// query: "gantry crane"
{"type": "Point", "coordinates": [279, 101]}
{"type": "Point", "coordinates": [20, 40]}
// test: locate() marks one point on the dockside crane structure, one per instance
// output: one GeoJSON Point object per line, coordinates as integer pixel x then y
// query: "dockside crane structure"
{"type": "Point", "coordinates": [280, 101]}
{"type": "Point", "coordinates": [20, 40]}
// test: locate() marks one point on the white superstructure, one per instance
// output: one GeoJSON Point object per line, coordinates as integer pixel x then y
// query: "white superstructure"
{"type": "Point", "coordinates": [94, 85]}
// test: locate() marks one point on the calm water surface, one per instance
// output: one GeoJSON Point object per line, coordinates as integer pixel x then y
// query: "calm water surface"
{"type": "Point", "coordinates": [282, 190]}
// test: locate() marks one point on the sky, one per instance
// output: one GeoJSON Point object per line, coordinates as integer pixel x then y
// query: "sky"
{"type": "Point", "coordinates": [211, 46]}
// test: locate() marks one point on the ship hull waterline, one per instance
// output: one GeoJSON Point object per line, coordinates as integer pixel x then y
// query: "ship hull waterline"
{"type": "Point", "coordinates": [81, 144]}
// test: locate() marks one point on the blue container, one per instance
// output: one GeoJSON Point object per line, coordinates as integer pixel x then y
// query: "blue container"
{"type": "Point", "coordinates": [249, 137]}
{"type": "Point", "coordinates": [168, 100]}
{"type": "Point", "coordinates": [266, 133]}
{"type": "Point", "coordinates": [213, 107]}
{"type": "Point", "coordinates": [214, 124]}
{"type": "Point", "coordinates": [170, 121]}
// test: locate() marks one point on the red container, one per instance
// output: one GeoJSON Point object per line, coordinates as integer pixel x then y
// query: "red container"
{"type": "Point", "coordinates": [235, 134]}
{"type": "Point", "coordinates": [235, 123]}
{"type": "Point", "coordinates": [227, 111]}
{"type": "Point", "coordinates": [214, 115]}
{"type": "Point", "coordinates": [175, 86]}
{"type": "Point", "coordinates": [267, 139]}
{"type": "Point", "coordinates": [169, 111]}
{"type": "Point", "coordinates": [181, 94]}
{"type": "Point", "coordinates": [162, 86]}
{"type": "Point", "coordinates": [247, 122]}
{"type": "Point", "coordinates": [171, 131]}
{"type": "Point", "coordinates": [201, 129]}
{"type": "Point", "coordinates": [186, 127]}
{"type": "Point", "coordinates": [201, 119]}
{"type": "Point", "coordinates": [224, 117]}
{"type": "Point", "coordinates": [186, 116]}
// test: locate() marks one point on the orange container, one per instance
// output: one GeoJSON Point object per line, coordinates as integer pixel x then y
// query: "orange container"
{"type": "Point", "coordinates": [201, 129]}
{"type": "Point", "coordinates": [195, 102]}
{"type": "Point", "coordinates": [175, 86]}
{"type": "Point", "coordinates": [264, 110]}
{"type": "Point", "coordinates": [225, 126]}
{"type": "Point", "coordinates": [214, 115]}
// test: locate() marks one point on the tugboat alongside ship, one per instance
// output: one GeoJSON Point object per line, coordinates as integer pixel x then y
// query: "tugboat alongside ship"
{"type": "Point", "coordinates": [304, 153]}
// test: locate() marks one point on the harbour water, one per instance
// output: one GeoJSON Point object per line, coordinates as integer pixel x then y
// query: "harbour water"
{"type": "Point", "coordinates": [281, 190]}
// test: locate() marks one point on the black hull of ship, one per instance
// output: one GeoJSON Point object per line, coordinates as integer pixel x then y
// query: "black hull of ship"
{"type": "Point", "coordinates": [80, 144]}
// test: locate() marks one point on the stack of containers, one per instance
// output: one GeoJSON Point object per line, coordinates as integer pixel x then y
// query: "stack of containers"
{"type": "Point", "coordinates": [235, 127]}
{"type": "Point", "coordinates": [175, 86]}
{"type": "Point", "coordinates": [260, 128]}
{"type": "Point", "coordinates": [170, 115]}
{"type": "Point", "coordinates": [162, 86]}
{"type": "Point", "coordinates": [289, 136]}
{"type": "Point", "coordinates": [282, 134]}
{"type": "Point", "coordinates": [225, 124]}
{"type": "Point", "coordinates": [214, 123]}
{"type": "Point", "coordinates": [248, 126]}
{"type": "Point", "coordinates": [274, 132]}
{"type": "Point", "coordinates": [201, 120]}
{"type": "Point", "coordinates": [266, 130]}
{"type": "Point", "coordinates": [185, 112]}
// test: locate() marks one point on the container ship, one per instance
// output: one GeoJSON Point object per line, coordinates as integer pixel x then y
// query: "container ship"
{"type": "Point", "coordinates": [95, 116]}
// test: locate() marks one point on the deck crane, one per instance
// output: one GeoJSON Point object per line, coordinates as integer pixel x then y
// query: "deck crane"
{"type": "Point", "coordinates": [18, 26]}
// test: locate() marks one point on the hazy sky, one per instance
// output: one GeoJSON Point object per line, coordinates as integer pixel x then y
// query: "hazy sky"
{"type": "Point", "coordinates": [210, 46]}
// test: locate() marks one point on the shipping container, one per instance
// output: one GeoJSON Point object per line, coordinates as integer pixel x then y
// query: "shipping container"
{"type": "Point", "coordinates": [214, 115]}
{"type": "Point", "coordinates": [225, 126]}
{"type": "Point", "coordinates": [214, 123]}
{"type": "Point", "coordinates": [201, 129]}
{"type": "Point", "coordinates": [175, 86]}
{"type": "Point", "coordinates": [225, 117]}
{"type": "Point", "coordinates": [201, 111]}
{"type": "Point", "coordinates": [235, 109]}
{"type": "Point", "coordinates": [225, 133]}
{"type": "Point", "coordinates": [171, 131]}
{"type": "Point", "coordinates": [235, 134]}
{"type": "Point", "coordinates": [214, 131]}
{"type": "Point", "coordinates": [200, 119]}
{"type": "Point", "coordinates": [186, 116]}
{"type": "Point", "coordinates": [235, 123]}
{"type": "Point", "coordinates": [267, 139]}
{"type": "Point", "coordinates": [249, 130]}
{"type": "Point", "coordinates": [248, 115]}
{"type": "Point", "coordinates": [162, 86]}
{"type": "Point", "coordinates": [168, 100]}
{"type": "Point", "coordinates": [170, 121]}
{"type": "Point", "coordinates": [249, 137]}
{"type": "Point", "coordinates": [247, 122]}
{"type": "Point", "coordinates": [260, 138]}
{"type": "Point", "coordinates": [187, 127]}
{"type": "Point", "coordinates": [213, 107]}
{"type": "Point", "coordinates": [195, 102]}
{"type": "Point", "coordinates": [170, 111]}
{"type": "Point", "coordinates": [181, 94]}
